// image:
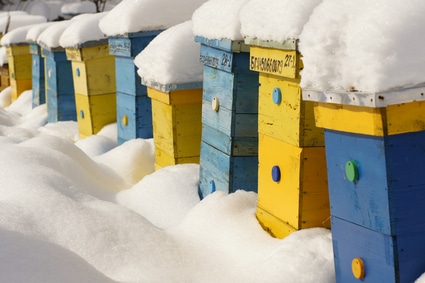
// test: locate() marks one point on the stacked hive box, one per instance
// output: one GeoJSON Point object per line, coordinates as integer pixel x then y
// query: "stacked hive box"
{"type": "Point", "coordinates": [229, 159]}
{"type": "Point", "coordinates": [176, 111]}
{"type": "Point", "coordinates": [20, 71]}
{"type": "Point", "coordinates": [93, 72]}
{"type": "Point", "coordinates": [292, 185]}
{"type": "Point", "coordinates": [134, 112]}
{"type": "Point", "coordinates": [375, 158]}
{"type": "Point", "coordinates": [38, 80]}
{"type": "Point", "coordinates": [59, 86]}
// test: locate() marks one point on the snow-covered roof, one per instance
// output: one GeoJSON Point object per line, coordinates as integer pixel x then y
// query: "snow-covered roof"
{"type": "Point", "coordinates": [147, 15]}
{"type": "Point", "coordinates": [84, 28]}
{"type": "Point", "coordinates": [171, 58]}
{"type": "Point", "coordinates": [19, 20]}
{"type": "Point", "coordinates": [16, 36]}
{"type": "Point", "coordinates": [49, 38]}
{"type": "Point", "coordinates": [36, 30]}
{"type": "Point", "coordinates": [79, 8]}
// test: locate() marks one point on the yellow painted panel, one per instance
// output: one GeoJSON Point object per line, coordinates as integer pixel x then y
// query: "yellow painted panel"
{"type": "Point", "coordinates": [94, 77]}
{"type": "Point", "coordinates": [300, 197]}
{"type": "Point", "coordinates": [19, 86]}
{"type": "Point", "coordinates": [95, 112]}
{"type": "Point", "coordinates": [314, 202]}
{"type": "Point", "coordinates": [348, 118]}
{"type": "Point", "coordinates": [292, 120]}
{"type": "Point", "coordinates": [163, 159]}
{"type": "Point", "coordinates": [284, 63]}
{"type": "Point", "coordinates": [20, 67]}
{"type": "Point", "coordinates": [188, 129]}
{"type": "Point", "coordinates": [176, 96]}
{"type": "Point", "coordinates": [406, 117]}
{"type": "Point", "coordinates": [17, 50]}
{"type": "Point", "coordinates": [87, 53]}
{"type": "Point", "coordinates": [274, 226]}
{"type": "Point", "coordinates": [177, 128]}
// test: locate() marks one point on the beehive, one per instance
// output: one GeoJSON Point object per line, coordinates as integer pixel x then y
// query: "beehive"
{"type": "Point", "coordinates": [93, 73]}
{"type": "Point", "coordinates": [292, 180]}
{"type": "Point", "coordinates": [229, 146]}
{"type": "Point", "coordinates": [134, 111]}
{"type": "Point", "coordinates": [176, 112]}
{"type": "Point", "coordinates": [38, 79]}
{"type": "Point", "coordinates": [59, 86]}
{"type": "Point", "coordinates": [4, 76]}
{"type": "Point", "coordinates": [20, 71]}
{"type": "Point", "coordinates": [374, 153]}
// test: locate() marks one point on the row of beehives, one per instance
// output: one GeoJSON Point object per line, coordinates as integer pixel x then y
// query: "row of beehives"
{"type": "Point", "coordinates": [250, 128]}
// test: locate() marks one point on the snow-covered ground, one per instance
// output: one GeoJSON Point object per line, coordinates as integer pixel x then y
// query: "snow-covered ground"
{"type": "Point", "coordinates": [90, 211]}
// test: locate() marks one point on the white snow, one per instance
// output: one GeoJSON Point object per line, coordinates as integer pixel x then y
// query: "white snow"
{"type": "Point", "coordinates": [147, 15]}
{"type": "Point", "coordinates": [16, 36]}
{"type": "Point", "coordinates": [49, 38]}
{"type": "Point", "coordinates": [276, 20]}
{"type": "Point", "coordinates": [18, 20]}
{"type": "Point", "coordinates": [36, 30]}
{"type": "Point", "coordinates": [84, 28]}
{"type": "Point", "coordinates": [218, 19]}
{"type": "Point", "coordinates": [79, 8]}
{"type": "Point", "coordinates": [66, 216]}
{"type": "Point", "coordinates": [171, 58]}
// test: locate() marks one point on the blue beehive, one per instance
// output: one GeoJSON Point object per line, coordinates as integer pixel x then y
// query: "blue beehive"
{"type": "Point", "coordinates": [134, 114]}
{"type": "Point", "coordinates": [375, 160]}
{"type": "Point", "coordinates": [60, 86]}
{"type": "Point", "coordinates": [229, 159]}
{"type": "Point", "coordinates": [38, 80]}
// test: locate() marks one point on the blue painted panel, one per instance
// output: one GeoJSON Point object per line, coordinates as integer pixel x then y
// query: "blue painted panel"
{"type": "Point", "coordinates": [390, 192]}
{"type": "Point", "coordinates": [224, 44]}
{"type": "Point", "coordinates": [224, 60]}
{"type": "Point", "coordinates": [38, 81]}
{"type": "Point", "coordinates": [55, 55]}
{"type": "Point", "coordinates": [229, 122]}
{"type": "Point", "coordinates": [59, 76]}
{"type": "Point", "coordinates": [235, 91]}
{"type": "Point", "coordinates": [139, 112]}
{"type": "Point", "coordinates": [226, 173]}
{"type": "Point", "coordinates": [35, 49]}
{"type": "Point", "coordinates": [386, 258]}
{"type": "Point", "coordinates": [127, 79]}
{"type": "Point", "coordinates": [60, 108]}
{"type": "Point", "coordinates": [130, 46]}
{"type": "Point", "coordinates": [235, 146]}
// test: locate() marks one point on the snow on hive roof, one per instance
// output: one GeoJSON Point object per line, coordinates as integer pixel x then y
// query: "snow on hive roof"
{"type": "Point", "coordinates": [18, 20]}
{"type": "Point", "coordinates": [147, 15]}
{"type": "Point", "coordinates": [365, 45]}
{"type": "Point", "coordinates": [171, 58]}
{"type": "Point", "coordinates": [36, 30]}
{"type": "Point", "coordinates": [49, 38]}
{"type": "Point", "coordinates": [84, 28]}
{"type": "Point", "coordinates": [16, 36]}
{"type": "Point", "coordinates": [278, 20]}
{"type": "Point", "coordinates": [218, 19]}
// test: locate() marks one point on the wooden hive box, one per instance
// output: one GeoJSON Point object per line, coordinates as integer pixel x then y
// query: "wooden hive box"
{"type": "Point", "coordinates": [20, 69]}
{"type": "Point", "coordinates": [93, 73]}
{"type": "Point", "coordinates": [176, 112]}
{"type": "Point", "coordinates": [38, 78]}
{"type": "Point", "coordinates": [229, 118]}
{"type": "Point", "coordinates": [134, 110]}
{"type": "Point", "coordinates": [59, 86]}
{"type": "Point", "coordinates": [4, 76]}
{"type": "Point", "coordinates": [375, 156]}
{"type": "Point", "coordinates": [290, 142]}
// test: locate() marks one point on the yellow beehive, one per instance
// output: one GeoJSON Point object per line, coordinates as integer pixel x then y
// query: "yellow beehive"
{"type": "Point", "coordinates": [292, 177]}
{"type": "Point", "coordinates": [177, 125]}
{"type": "Point", "coordinates": [20, 69]}
{"type": "Point", "coordinates": [93, 71]}
{"type": "Point", "coordinates": [292, 192]}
